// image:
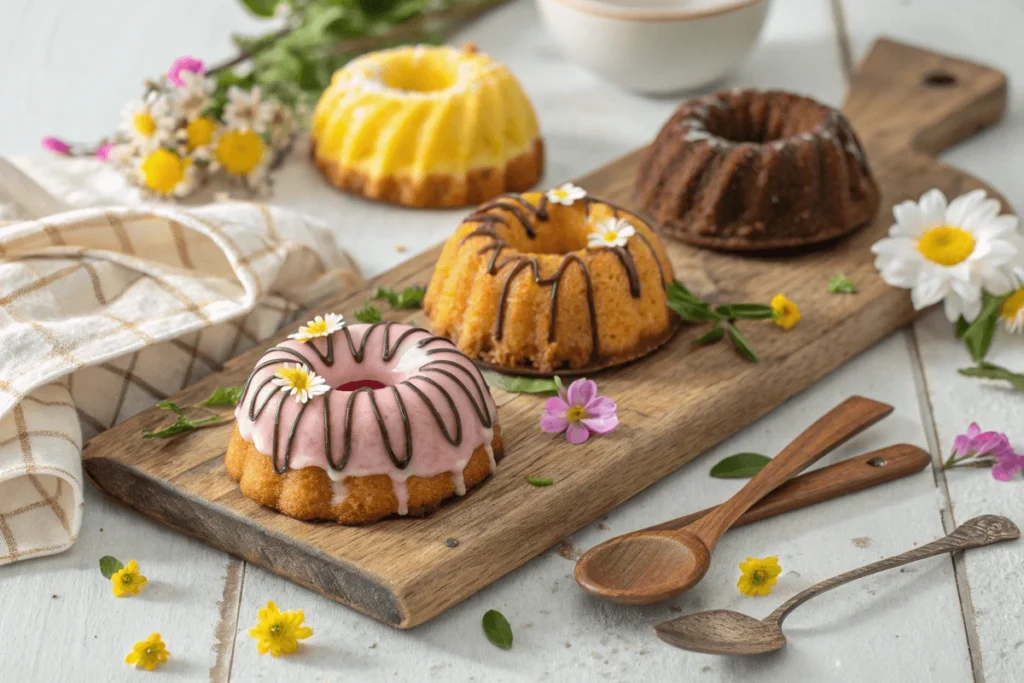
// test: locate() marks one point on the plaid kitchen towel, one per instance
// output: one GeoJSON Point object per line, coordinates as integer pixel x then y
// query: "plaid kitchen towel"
{"type": "Point", "coordinates": [104, 312]}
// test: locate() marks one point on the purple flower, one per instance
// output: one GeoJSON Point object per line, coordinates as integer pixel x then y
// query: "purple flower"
{"type": "Point", "coordinates": [1007, 465]}
{"type": "Point", "coordinates": [56, 145]}
{"type": "Point", "coordinates": [578, 412]}
{"type": "Point", "coordinates": [181, 64]}
{"type": "Point", "coordinates": [103, 151]}
{"type": "Point", "coordinates": [981, 449]}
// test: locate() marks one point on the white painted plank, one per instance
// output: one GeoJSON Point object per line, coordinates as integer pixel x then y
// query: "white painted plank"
{"type": "Point", "coordinates": [991, 33]}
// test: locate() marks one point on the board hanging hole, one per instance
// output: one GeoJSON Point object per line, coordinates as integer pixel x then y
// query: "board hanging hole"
{"type": "Point", "coordinates": [938, 79]}
{"type": "Point", "coordinates": [877, 462]}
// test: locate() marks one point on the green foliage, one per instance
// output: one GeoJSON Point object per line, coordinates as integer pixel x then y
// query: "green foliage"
{"type": "Point", "coordinates": [695, 310]}
{"type": "Point", "coordinates": [991, 371]}
{"type": "Point", "coordinates": [182, 424]}
{"type": "Point", "coordinates": [521, 385]}
{"type": "Point", "coordinates": [740, 466]}
{"type": "Point", "coordinates": [410, 297]}
{"type": "Point", "coordinates": [110, 565]}
{"type": "Point", "coordinates": [369, 314]}
{"type": "Point", "coordinates": [497, 628]}
{"type": "Point", "coordinates": [978, 335]}
{"type": "Point", "coordinates": [223, 396]}
{"type": "Point", "coordinates": [840, 284]}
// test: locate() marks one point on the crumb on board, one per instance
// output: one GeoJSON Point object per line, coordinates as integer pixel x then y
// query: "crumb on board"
{"type": "Point", "coordinates": [400, 248]}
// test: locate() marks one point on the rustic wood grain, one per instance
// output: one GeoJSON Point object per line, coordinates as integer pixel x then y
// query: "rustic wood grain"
{"type": "Point", "coordinates": [677, 402]}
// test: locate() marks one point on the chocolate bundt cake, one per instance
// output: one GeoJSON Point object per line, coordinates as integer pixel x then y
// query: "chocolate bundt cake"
{"type": "Point", "coordinates": [749, 170]}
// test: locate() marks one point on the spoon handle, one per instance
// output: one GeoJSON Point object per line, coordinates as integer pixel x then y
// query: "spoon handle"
{"type": "Point", "coordinates": [973, 533]}
{"type": "Point", "coordinates": [846, 420]}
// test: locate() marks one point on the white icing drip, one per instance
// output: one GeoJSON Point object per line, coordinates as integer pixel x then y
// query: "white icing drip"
{"type": "Point", "coordinates": [697, 136]}
{"type": "Point", "coordinates": [490, 457]}
{"type": "Point", "coordinates": [339, 492]}
{"type": "Point", "coordinates": [401, 489]}
{"type": "Point", "coordinates": [459, 480]}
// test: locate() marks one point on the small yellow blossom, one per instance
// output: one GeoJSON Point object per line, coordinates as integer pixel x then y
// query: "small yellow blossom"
{"type": "Point", "coordinates": [759, 575]}
{"type": "Point", "coordinates": [279, 632]}
{"type": "Point", "coordinates": [786, 312]}
{"type": "Point", "coordinates": [163, 170]}
{"type": "Point", "coordinates": [240, 152]}
{"type": "Point", "coordinates": [199, 132]}
{"type": "Point", "coordinates": [144, 124]}
{"type": "Point", "coordinates": [320, 326]}
{"type": "Point", "coordinates": [148, 653]}
{"type": "Point", "coordinates": [128, 580]}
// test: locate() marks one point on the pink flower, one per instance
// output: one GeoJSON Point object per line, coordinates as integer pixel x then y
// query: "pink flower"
{"type": "Point", "coordinates": [56, 145]}
{"type": "Point", "coordinates": [1007, 465]}
{"type": "Point", "coordinates": [103, 151]}
{"type": "Point", "coordinates": [981, 449]}
{"type": "Point", "coordinates": [578, 412]}
{"type": "Point", "coordinates": [181, 64]}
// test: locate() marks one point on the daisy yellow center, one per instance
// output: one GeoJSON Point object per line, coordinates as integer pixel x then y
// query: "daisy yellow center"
{"type": "Point", "coordinates": [1013, 305]}
{"type": "Point", "coordinates": [144, 124]}
{"type": "Point", "coordinates": [200, 132]}
{"type": "Point", "coordinates": [240, 152]}
{"type": "Point", "coordinates": [576, 413]}
{"type": "Point", "coordinates": [561, 194]}
{"type": "Point", "coordinates": [163, 170]}
{"type": "Point", "coordinates": [611, 236]}
{"type": "Point", "coordinates": [297, 378]}
{"type": "Point", "coordinates": [317, 328]}
{"type": "Point", "coordinates": [946, 245]}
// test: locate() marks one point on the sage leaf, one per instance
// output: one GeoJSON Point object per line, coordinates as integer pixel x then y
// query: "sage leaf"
{"type": "Point", "coordinates": [368, 314]}
{"type": "Point", "coordinates": [745, 311]}
{"type": "Point", "coordinates": [110, 566]}
{"type": "Point", "coordinates": [540, 481]}
{"type": "Point", "coordinates": [991, 371]}
{"type": "Point", "coordinates": [840, 284]}
{"type": "Point", "coordinates": [521, 385]}
{"type": "Point", "coordinates": [223, 396]}
{"type": "Point", "coordinates": [740, 342]}
{"type": "Point", "coordinates": [740, 466]}
{"type": "Point", "coordinates": [497, 628]}
{"type": "Point", "coordinates": [710, 337]}
{"type": "Point", "coordinates": [978, 335]}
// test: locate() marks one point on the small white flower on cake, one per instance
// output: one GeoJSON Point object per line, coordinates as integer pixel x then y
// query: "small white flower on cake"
{"type": "Point", "coordinates": [949, 253]}
{"type": "Point", "coordinates": [246, 110]}
{"type": "Point", "coordinates": [566, 194]}
{"type": "Point", "coordinates": [320, 326]}
{"type": "Point", "coordinates": [301, 383]}
{"type": "Point", "coordinates": [611, 233]}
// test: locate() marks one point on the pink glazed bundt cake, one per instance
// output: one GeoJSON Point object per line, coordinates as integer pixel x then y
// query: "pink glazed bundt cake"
{"type": "Point", "coordinates": [358, 422]}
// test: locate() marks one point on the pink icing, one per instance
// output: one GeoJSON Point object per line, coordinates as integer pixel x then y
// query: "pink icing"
{"type": "Point", "coordinates": [410, 367]}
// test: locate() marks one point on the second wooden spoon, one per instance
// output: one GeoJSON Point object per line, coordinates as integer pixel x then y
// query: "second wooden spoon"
{"type": "Point", "coordinates": [654, 565]}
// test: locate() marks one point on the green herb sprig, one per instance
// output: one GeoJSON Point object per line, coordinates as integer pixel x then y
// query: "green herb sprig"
{"type": "Point", "coordinates": [991, 371]}
{"type": "Point", "coordinates": [840, 284]}
{"type": "Point", "coordinates": [695, 310]}
{"type": "Point", "coordinates": [369, 314]}
{"type": "Point", "coordinates": [221, 396]}
{"type": "Point", "coordinates": [408, 298]}
{"type": "Point", "coordinates": [540, 481]}
{"type": "Point", "coordinates": [979, 334]}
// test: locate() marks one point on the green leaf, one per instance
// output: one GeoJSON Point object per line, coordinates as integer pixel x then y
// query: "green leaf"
{"type": "Point", "coordinates": [169, 405]}
{"type": "Point", "coordinates": [368, 314]}
{"type": "Point", "coordinates": [223, 396]}
{"type": "Point", "coordinates": [840, 284]}
{"type": "Point", "coordinates": [738, 341]}
{"type": "Point", "coordinates": [182, 424]}
{"type": "Point", "coordinates": [991, 371]}
{"type": "Point", "coordinates": [497, 628]}
{"type": "Point", "coordinates": [978, 335]}
{"type": "Point", "coordinates": [521, 385]}
{"type": "Point", "coordinates": [377, 7]}
{"type": "Point", "coordinates": [261, 8]}
{"type": "Point", "coordinates": [740, 466]}
{"type": "Point", "coordinates": [110, 566]}
{"type": "Point", "coordinates": [692, 312]}
{"type": "Point", "coordinates": [745, 311]}
{"type": "Point", "coordinates": [408, 298]}
{"type": "Point", "coordinates": [711, 336]}
{"type": "Point", "coordinates": [540, 481]}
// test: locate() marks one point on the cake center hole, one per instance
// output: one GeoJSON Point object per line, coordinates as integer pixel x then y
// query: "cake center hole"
{"type": "Point", "coordinates": [361, 384]}
{"type": "Point", "coordinates": [565, 231]}
{"type": "Point", "coordinates": [425, 74]}
{"type": "Point", "coordinates": [747, 120]}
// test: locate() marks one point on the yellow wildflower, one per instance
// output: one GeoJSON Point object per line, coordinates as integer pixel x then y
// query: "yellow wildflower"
{"type": "Point", "coordinates": [128, 580]}
{"type": "Point", "coordinates": [240, 152]}
{"type": "Point", "coordinates": [148, 653]}
{"type": "Point", "coordinates": [759, 575]}
{"type": "Point", "coordinates": [786, 312]}
{"type": "Point", "coordinates": [279, 632]}
{"type": "Point", "coordinates": [199, 132]}
{"type": "Point", "coordinates": [163, 171]}
{"type": "Point", "coordinates": [144, 124]}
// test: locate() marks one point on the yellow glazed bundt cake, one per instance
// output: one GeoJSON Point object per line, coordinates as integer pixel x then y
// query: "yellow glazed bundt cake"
{"type": "Point", "coordinates": [427, 127]}
{"type": "Point", "coordinates": [552, 281]}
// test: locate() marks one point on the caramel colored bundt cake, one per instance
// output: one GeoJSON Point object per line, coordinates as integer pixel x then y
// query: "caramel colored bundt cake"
{"type": "Point", "coordinates": [356, 423]}
{"type": "Point", "coordinates": [428, 127]}
{"type": "Point", "coordinates": [750, 170]}
{"type": "Point", "coordinates": [552, 281]}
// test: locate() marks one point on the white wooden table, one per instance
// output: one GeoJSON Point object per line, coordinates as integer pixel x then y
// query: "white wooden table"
{"type": "Point", "coordinates": [68, 67]}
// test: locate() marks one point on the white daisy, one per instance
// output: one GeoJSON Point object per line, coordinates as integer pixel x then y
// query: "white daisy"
{"type": "Point", "coordinates": [1011, 313]}
{"type": "Point", "coordinates": [301, 383]}
{"type": "Point", "coordinates": [282, 126]}
{"type": "Point", "coordinates": [320, 326]}
{"type": "Point", "coordinates": [611, 233]}
{"type": "Point", "coordinates": [949, 253]}
{"type": "Point", "coordinates": [148, 122]}
{"type": "Point", "coordinates": [566, 194]}
{"type": "Point", "coordinates": [192, 97]}
{"type": "Point", "coordinates": [246, 110]}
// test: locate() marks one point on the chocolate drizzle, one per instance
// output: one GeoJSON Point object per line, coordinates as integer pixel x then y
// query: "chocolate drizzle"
{"type": "Point", "coordinates": [528, 217]}
{"type": "Point", "coordinates": [477, 395]}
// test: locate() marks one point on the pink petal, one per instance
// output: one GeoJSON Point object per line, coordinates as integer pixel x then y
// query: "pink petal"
{"type": "Point", "coordinates": [602, 406]}
{"type": "Point", "coordinates": [601, 425]}
{"type": "Point", "coordinates": [1001, 473]}
{"type": "Point", "coordinates": [103, 151]}
{"type": "Point", "coordinates": [582, 392]}
{"type": "Point", "coordinates": [185, 63]}
{"type": "Point", "coordinates": [577, 433]}
{"type": "Point", "coordinates": [56, 145]}
{"type": "Point", "coordinates": [553, 424]}
{"type": "Point", "coordinates": [973, 430]}
{"type": "Point", "coordinates": [556, 406]}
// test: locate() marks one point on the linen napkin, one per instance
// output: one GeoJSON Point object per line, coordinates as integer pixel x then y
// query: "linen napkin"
{"type": "Point", "coordinates": [104, 312]}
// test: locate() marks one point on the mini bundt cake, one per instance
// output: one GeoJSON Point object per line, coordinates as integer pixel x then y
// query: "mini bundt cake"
{"type": "Point", "coordinates": [358, 422]}
{"type": "Point", "coordinates": [552, 281]}
{"type": "Point", "coordinates": [748, 170]}
{"type": "Point", "coordinates": [428, 127]}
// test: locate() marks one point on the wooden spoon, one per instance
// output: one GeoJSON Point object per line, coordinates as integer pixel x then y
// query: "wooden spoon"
{"type": "Point", "coordinates": [723, 632]}
{"type": "Point", "coordinates": [650, 566]}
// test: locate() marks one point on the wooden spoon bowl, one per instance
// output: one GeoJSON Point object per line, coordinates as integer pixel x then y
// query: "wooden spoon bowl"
{"type": "Point", "coordinates": [723, 632]}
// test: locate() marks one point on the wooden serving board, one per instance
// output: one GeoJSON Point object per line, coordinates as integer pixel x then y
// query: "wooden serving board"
{"type": "Point", "coordinates": [905, 103]}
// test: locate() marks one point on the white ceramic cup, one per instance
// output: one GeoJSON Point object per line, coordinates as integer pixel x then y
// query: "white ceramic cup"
{"type": "Point", "coordinates": [655, 46]}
